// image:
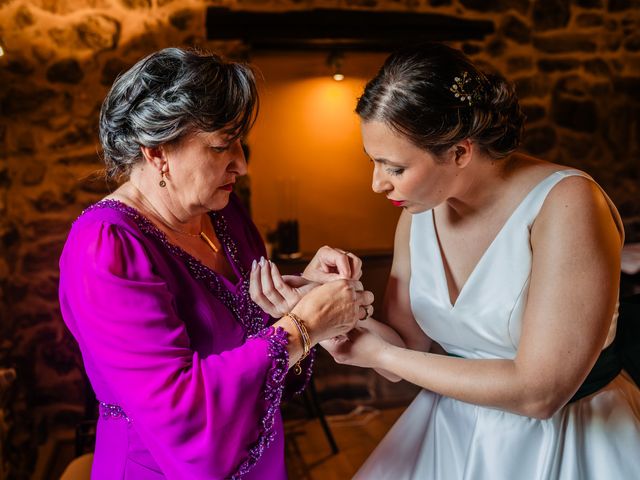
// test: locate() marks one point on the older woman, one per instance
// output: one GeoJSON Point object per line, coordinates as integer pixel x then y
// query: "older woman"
{"type": "Point", "coordinates": [154, 285]}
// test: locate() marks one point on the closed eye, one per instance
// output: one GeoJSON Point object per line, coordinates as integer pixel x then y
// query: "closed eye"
{"type": "Point", "coordinates": [390, 167]}
{"type": "Point", "coordinates": [395, 171]}
{"type": "Point", "coordinates": [219, 148]}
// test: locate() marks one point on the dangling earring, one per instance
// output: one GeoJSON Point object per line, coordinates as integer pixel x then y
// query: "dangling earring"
{"type": "Point", "coordinates": [163, 171]}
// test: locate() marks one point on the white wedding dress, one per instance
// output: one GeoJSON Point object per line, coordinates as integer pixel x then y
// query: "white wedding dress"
{"type": "Point", "coordinates": [439, 438]}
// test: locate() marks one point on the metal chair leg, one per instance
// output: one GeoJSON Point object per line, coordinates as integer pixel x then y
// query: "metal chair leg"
{"type": "Point", "coordinates": [311, 395]}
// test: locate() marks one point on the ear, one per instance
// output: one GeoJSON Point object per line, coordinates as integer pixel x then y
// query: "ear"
{"type": "Point", "coordinates": [155, 157]}
{"type": "Point", "coordinates": [463, 152]}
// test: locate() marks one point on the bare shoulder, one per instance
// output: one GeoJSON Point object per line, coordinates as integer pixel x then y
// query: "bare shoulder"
{"type": "Point", "coordinates": [574, 193]}
{"type": "Point", "coordinates": [578, 195]}
{"type": "Point", "coordinates": [578, 207]}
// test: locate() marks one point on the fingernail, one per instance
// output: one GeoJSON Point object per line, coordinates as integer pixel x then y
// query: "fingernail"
{"type": "Point", "coordinates": [262, 261]}
{"type": "Point", "coordinates": [254, 264]}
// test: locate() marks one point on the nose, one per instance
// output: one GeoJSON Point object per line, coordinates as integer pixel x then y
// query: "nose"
{"type": "Point", "coordinates": [239, 163]}
{"type": "Point", "coordinates": [379, 183]}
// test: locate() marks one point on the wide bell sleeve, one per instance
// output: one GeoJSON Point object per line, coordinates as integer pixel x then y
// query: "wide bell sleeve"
{"type": "Point", "coordinates": [200, 417]}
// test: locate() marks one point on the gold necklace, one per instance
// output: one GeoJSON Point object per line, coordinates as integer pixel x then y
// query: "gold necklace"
{"type": "Point", "coordinates": [203, 236]}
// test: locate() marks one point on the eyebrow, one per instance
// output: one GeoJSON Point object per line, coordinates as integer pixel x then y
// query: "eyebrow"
{"type": "Point", "coordinates": [383, 160]}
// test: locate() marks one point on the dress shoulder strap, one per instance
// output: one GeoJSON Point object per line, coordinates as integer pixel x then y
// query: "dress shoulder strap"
{"type": "Point", "coordinates": [540, 192]}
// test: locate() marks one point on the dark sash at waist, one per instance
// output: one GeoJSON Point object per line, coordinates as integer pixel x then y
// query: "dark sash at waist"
{"type": "Point", "coordinates": [623, 353]}
{"type": "Point", "coordinates": [606, 368]}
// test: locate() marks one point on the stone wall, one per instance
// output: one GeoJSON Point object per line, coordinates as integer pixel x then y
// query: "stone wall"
{"type": "Point", "coordinates": [576, 65]}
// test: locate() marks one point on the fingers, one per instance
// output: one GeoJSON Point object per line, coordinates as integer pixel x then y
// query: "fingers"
{"type": "Point", "coordinates": [299, 285]}
{"type": "Point", "coordinates": [369, 311]}
{"type": "Point", "coordinates": [256, 290]}
{"type": "Point", "coordinates": [356, 266]}
{"type": "Point", "coordinates": [278, 282]}
{"type": "Point", "coordinates": [365, 312]}
{"type": "Point", "coordinates": [331, 264]}
{"type": "Point", "coordinates": [342, 262]}
{"type": "Point", "coordinates": [364, 297]}
{"type": "Point", "coordinates": [295, 281]}
{"type": "Point", "coordinates": [268, 289]}
{"type": "Point", "coordinates": [292, 295]}
{"type": "Point", "coordinates": [268, 286]}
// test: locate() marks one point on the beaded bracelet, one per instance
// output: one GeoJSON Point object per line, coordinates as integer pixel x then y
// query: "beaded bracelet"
{"type": "Point", "coordinates": [306, 340]}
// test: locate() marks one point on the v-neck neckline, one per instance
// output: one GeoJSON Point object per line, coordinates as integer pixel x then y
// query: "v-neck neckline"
{"type": "Point", "coordinates": [441, 257]}
{"type": "Point", "coordinates": [234, 296]}
{"type": "Point", "coordinates": [217, 219]}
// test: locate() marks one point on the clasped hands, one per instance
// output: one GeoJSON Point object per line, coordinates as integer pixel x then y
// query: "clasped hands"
{"type": "Point", "coordinates": [330, 299]}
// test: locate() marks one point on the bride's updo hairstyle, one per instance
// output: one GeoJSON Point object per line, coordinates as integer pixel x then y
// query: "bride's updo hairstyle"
{"type": "Point", "coordinates": [435, 97]}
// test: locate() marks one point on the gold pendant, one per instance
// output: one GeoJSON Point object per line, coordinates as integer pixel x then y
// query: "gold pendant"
{"type": "Point", "coordinates": [204, 237]}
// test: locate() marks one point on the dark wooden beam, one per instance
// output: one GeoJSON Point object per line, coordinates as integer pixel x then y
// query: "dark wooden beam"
{"type": "Point", "coordinates": [324, 29]}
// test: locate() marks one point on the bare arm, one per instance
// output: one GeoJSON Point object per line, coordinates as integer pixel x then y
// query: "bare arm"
{"type": "Point", "coordinates": [396, 310]}
{"type": "Point", "coordinates": [572, 297]}
{"type": "Point", "coordinates": [397, 325]}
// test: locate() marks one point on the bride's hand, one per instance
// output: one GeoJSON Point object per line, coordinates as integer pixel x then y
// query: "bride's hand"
{"type": "Point", "coordinates": [276, 294]}
{"type": "Point", "coordinates": [360, 347]}
{"type": "Point", "coordinates": [329, 264]}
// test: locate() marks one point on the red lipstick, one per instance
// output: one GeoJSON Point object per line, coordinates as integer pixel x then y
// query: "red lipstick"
{"type": "Point", "coordinates": [228, 187]}
{"type": "Point", "coordinates": [397, 203]}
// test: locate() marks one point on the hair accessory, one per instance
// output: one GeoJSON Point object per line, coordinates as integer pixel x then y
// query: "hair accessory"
{"type": "Point", "coordinates": [459, 90]}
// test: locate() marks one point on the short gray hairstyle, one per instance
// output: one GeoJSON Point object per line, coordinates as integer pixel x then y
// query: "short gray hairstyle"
{"type": "Point", "coordinates": [169, 94]}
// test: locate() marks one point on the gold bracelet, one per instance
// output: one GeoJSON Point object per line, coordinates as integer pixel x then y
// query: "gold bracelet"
{"type": "Point", "coordinates": [306, 340]}
{"type": "Point", "coordinates": [304, 333]}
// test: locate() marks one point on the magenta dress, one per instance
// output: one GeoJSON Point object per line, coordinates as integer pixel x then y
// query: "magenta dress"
{"type": "Point", "coordinates": [188, 373]}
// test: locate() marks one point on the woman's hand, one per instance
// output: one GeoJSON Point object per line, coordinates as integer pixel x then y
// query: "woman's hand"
{"type": "Point", "coordinates": [330, 264]}
{"type": "Point", "coordinates": [334, 308]}
{"type": "Point", "coordinates": [360, 347]}
{"type": "Point", "coordinates": [274, 293]}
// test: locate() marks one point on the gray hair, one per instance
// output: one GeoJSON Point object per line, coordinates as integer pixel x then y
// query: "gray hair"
{"type": "Point", "coordinates": [169, 94]}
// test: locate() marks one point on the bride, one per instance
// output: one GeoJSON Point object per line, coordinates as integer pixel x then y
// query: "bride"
{"type": "Point", "coordinates": [502, 297]}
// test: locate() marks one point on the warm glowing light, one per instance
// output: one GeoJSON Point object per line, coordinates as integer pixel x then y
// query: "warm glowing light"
{"type": "Point", "coordinates": [309, 137]}
{"type": "Point", "coordinates": [338, 77]}
{"type": "Point", "coordinates": [1, 51]}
